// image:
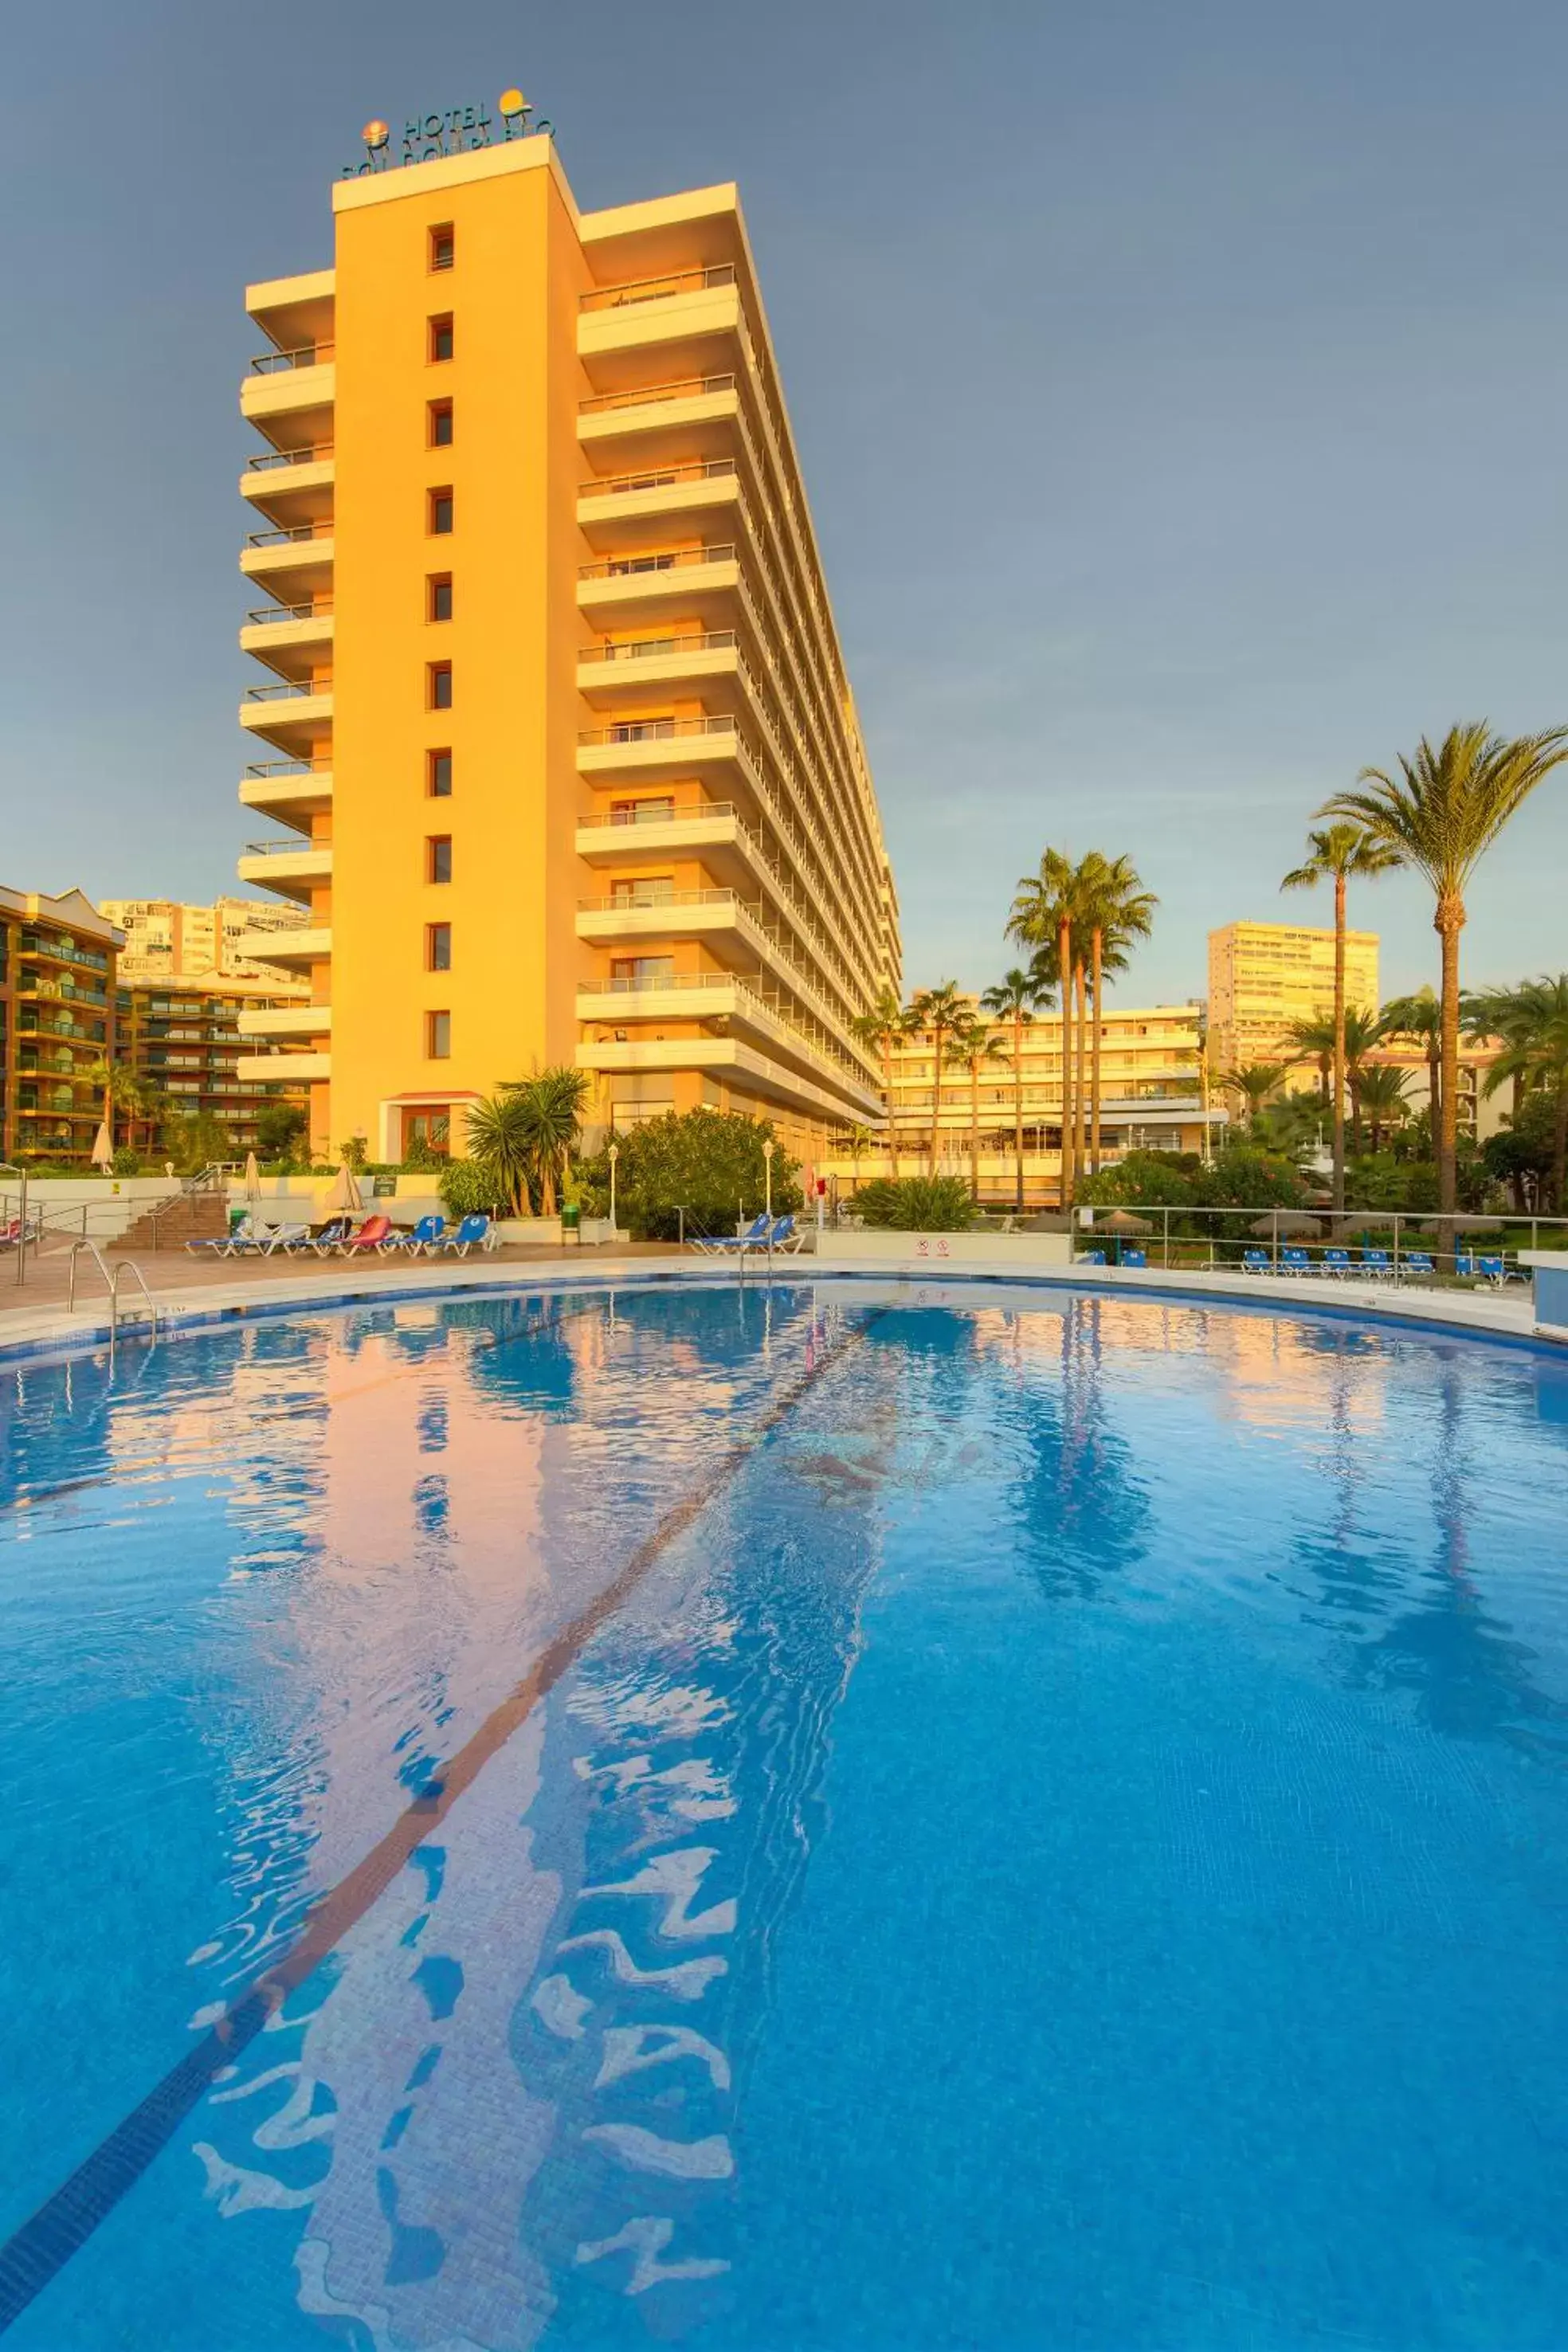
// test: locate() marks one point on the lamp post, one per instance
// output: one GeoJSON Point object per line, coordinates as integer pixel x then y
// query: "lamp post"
{"type": "Point", "coordinates": [613, 1155]}
{"type": "Point", "coordinates": [768, 1167]}
{"type": "Point", "coordinates": [15, 1168]}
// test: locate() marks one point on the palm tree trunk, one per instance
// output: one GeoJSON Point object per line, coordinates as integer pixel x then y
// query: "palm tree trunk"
{"type": "Point", "coordinates": [1338, 1041]}
{"type": "Point", "coordinates": [1018, 1105]}
{"type": "Point", "coordinates": [1081, 1086]}
{"type": "Point", "coordinates": [1096, 949]}
{"type": "Point", "coordinates": [975, 1132]}
{"type": "Point", "coordinates": [1559, 1151]}
{"type": "Point", "coordinates": [1063, 961]}
{"type": "Point", "coordinates": [1354, 1082]}
{"type": "Point", "coordinates": [1448, 921]}
{"type": "Point", "coordinates": [935, 1100]}
{"type": "Point", "coordinates": [892, 1122]}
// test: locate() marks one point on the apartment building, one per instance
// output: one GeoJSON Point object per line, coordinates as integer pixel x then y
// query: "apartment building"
{"type": "Point", "coordinates": [56, 1023]}
{"type": "Point", "coordinates": [187, 1037]}
{"type": "Point", "coordinates": [556, 733]}
{"type": "Point", "coordinates": [163, 936]}
{"type": "Point", "coordinates": [1152, 1099]}
{"type": "Point", "coordinates": [1264, 976]}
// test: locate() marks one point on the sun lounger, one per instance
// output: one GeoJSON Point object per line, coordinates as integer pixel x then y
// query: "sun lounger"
{"type": "Point", "coordinates": [1135, 1257]}
{"type": "Point", "coordinates": [267, 1240]}
{"type": "Point", "coordinates": [1090, 1257]}
{"type": "Point", "coordinates": [370, 1239]}
{"type": "Point", "coordinates": [1337, 1262]}
{"type": "Point", "coordinates": [1374, 1262]}
{"type": "Point", "coordinates": [424, 1235]}
{"type": "Point", "coordinates": [335, 1231]}
{"type": "Point", "coordinates": [1417, 1263]}
{"type": "Point", "coordinates": [717, 1244]}
{"type": "Point", "coordinates": [471, 1234]}
{"type": "Point", "coordinates": [1295, 1261]}
{"type": "Point", "coordinates": [1256, 1261]}
{"type": "Point", "coordinates": [238, 1239]}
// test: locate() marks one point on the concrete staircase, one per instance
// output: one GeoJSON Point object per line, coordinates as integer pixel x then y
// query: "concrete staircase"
{"type": "Point", "coordinates": [185, 1217]}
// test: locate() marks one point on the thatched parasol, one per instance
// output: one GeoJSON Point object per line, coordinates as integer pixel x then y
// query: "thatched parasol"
{"type": "Point", "coordinates": [1284, 1222]}
{"type": "Point", "coordinates": [1122, 1221]}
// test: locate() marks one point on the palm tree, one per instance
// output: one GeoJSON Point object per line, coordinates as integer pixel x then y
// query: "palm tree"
{"type": "Point", "coordinates": [1383, 1088]}
{"type": "Point", "coordinates": [881, 1029]}
{"type": "Point", "coordinates": [121, 1090]}
{"type": "Point", "coordinates": [1337, 852]}
{"type": "Point", "coordinates": [1118, 911]}
{"type": "Point", "coordinates": [1017, 996]}
{"type": "Point", "coordinates": [1535, 1055]}
{"type": "Point", "coordinates": [1419, 1020]}
{"type": "Point", "coordinates": [943, 1010]}
{"type": "Point", "coordinates": [1441, 816]}
{"type": "Point", "coordinates": [969, 1045]}
{"type": "Point", "coordinates": [500, 1138]}
{"type": "Point", "coordinates": [551, 1104]}
{"type": "Point", "coordinates": [1255, 1082]}
{"type": "Point", "coordinates": [1353, 1036]}
{"type": "Point", "coordinates": [859, 1140]}
{"type": "Point", "coordinates": [1045, 911]}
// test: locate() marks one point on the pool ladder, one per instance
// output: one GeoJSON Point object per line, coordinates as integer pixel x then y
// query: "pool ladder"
{"type": "Point", "coordinates": [111, 1284]}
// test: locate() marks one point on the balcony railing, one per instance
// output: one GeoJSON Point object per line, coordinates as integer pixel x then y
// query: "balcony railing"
{"type": "Point", "coordinates": [657, 731]}
{"type": "Point", "coordinates": [655, 897]}
{"type": "Point", "coordinates": [700, 641]}
{"type": "Point", "coordinates": [287, 845]}
{"type": "Point", "coordinates": [303, 355]}
{"type": "Point", "coordinates": [289, 689]}
{"type": "Point", "coordinates": [62, 951]}
{"type": "Point", "coordinates": [271, 460]}
{"type": "Point", "coordinates": [658, 477]}
{"type": "Point", "coordinates": [262, 771]}
{"type": "Point", "coordinates": [659, 813]}
{"type": "Point", "coordinates": [301, 530]}
{"type": "Point", "coordinates": [752, 986]}
{"type": "Point", "coordinates": [688, 387]}
{"type": "Point", "coordinates": [264, 615]}
{"type": "Point", "coordinates": [655, 289]}
{"type": "Point", "coordinates": [624, 567]}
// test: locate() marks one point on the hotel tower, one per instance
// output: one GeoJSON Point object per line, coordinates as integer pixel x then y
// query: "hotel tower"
{"type": "Point", "coordinates": [556, 745]}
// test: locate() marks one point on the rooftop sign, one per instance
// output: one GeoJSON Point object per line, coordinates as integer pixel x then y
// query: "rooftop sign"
{"type": "Point", "coordinates": [428, 136]}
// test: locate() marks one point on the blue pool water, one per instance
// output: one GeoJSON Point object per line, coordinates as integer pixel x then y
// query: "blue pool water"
{"type": "Point", "coordinates": [1014, 1820]}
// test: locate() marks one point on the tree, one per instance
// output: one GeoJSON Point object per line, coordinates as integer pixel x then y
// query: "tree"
{"type": "Point", "coordinates": [1044, 913]}
{"type": "Point", "coordinates": [197, 1139]}
{"type": "Point", "coordinates": [1520, 1154]}
{"type": "Point", "coordinates": [941, 1010]}
{"type": "Point", "coordinates": [858, 1141]}
{"type": "Point", "coordinates": [1418, 1020]}
{"type": "Point", "coordinates": [1017, 996]}
{"type": "Point", "coordinates": [550, 1108]}
{"type": "Point", "coordinates": [500, 1138]}
{"type": "Point", "coordinates": [1118, 911]}
{"type": "Point", "coordinates": [1349, 1039]}
{"type": "Point", "coordinates": [279, 1128]}
{"type": "Point", "coordinates": [121, 1090]}
{"type": "Point", "coordinates": [1335, 853]}
{"type": "Point", "coordinates": [1534, 1025]}
{"type": "Point", "coordinates": [969, 1047]}
{"type": "Point", "coordinates": [1440, 815]}
{"type": "Point", "coordinates": [1255, 1082]}
{"type": "Point", "coordinates": [881, 1029]}
{"type": "Point", "coordinates": [1382, 1097]}
{"type": "Point", "coordinates": [708, 1163]}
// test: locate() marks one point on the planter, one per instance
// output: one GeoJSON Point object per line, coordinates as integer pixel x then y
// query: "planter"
{"type": "Point", "coordinates": [532, 1232]}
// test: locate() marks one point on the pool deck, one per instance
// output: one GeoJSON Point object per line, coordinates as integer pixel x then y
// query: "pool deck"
{"type": "Point", "coordinates": [192, 1293]}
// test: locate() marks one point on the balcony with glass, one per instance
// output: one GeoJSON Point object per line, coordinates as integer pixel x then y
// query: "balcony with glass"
{"type": "Point", "coordinates": [294, 716]}
{"type": "Point", "coordinates": [624, 513]}
{"type": "Point", "coordinates": [292, 868]}
{"type": "Point", "coordinates": [682, 322]}
{"type": "Point", "coordinates": [295, 566]}
{"type": "Point", "coordinates": [290, 791]}
{"type": "Point", "coordinates": [294, 640]}
{"type": "Point", "coordinates": [291, 486]}
{"type": "Point", "coordinates": [660, 423]}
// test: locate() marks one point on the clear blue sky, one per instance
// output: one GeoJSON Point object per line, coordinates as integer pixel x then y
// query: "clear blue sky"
{"type": "Point", "coordinates": [1183, 392]}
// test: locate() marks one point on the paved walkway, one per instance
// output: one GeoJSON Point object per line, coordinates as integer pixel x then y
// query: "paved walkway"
{"type": "Point", "coordinates": [191, 1290]}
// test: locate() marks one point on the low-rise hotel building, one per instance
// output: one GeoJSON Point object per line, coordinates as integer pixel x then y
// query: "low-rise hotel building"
{"type": "Point", "coordinates": [56, 1023]}
{"type": "Point", "coordinates": [165, 937]}
{"type": "Point", "coordinates": [1264, 976]}
{"type": "Point", "coordinates": [188, 1035]}
{"type": "Point", "coordinates": [556, 741]}
{"type": "Point", "coordinates": [1151, 1098]}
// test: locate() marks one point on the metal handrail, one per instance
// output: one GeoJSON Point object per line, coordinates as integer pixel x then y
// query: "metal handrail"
{"type": "Point", "coordinates": [627, 567]}
{"type": "Point", "coordinates": [653, 289]}
{"type": "Point", "coordinates": [111, 1283]}
{"type": "Point", "coordinates": [671, 898]}
{"type": "Point", "coordinates": [264, 615]}
{"type": "Point", "coordinates": [743, 983]}
{"type": "Point", "coordinates": [302, 355]}
{"type": "Point", "coordinates": [688, 387]}
{"type": "Point", "coordinates": [700, 641]}
{"type": "Point", "coordinates": [319, 763]}
{"type": "Point", "coordinates": [289, 689]}
{"type": "Point", "coordinates": [299, 532]}
{"type": "Point", "coordinates": [657, 478]}
{"type": "Point", "coordinates": [658, 731]}
{"type": "Point", "coordinates": [692, 813]}
{"type": "Point", "coordinates": [271, 459]}
{"type": "Point", "coordinates": [283, 846]}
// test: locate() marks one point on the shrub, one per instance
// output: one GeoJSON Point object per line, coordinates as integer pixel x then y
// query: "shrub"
{"type": "Point", "coordinates": [1163, 1179]}
{"type": "Point", "coordinates": [277, 1130]}
{"type": "Point", "coordinates": [469, 1188]}
{"type": "Point", "coordinates": [708, 1162]}
{"type": "Point", "coordinates": [126, 1162]}
{"type": "Point", "coordinates": [917, 1204]}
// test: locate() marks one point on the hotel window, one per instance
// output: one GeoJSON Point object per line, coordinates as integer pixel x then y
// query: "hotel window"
{"type": "Point", "coordinates": [438, 857]}
{"type": "Point", "coordinates": [443, 245]}
{"type": "Point", "coordinates": [644, 972]}
{"type": "Point", "coordinates": [438, 600]}
{"type": "Point", "coordinates": [437, 1036]}
{"type": "Point", "coordinates": [441, 342]}
{"type": "Point", "coordinates": [646, 890]}
{"type": "Point", "coordinates": [437, 946]}
{"type": "Point", "coordinates": [440, 516]}
{"type": "Point", "coordinates": [438, 416]}
{"type": "Point", "coordinates": [439, 695]}
{"type": "Point", "coordinates": [438, 775]}
{"type": "Point", "coordinates": [647, 812]}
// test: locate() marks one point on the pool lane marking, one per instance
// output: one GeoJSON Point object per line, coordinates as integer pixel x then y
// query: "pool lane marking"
{"type": "Point", "coordinates": [39, 2250]}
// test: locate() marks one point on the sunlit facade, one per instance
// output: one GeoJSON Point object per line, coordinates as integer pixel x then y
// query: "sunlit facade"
{"type": "Point", "coordinates": [1264, 976]}
{"type": "Point", "coordinates": [557, 739]}
{"type": "Point", "coordinates": [56, 1023]}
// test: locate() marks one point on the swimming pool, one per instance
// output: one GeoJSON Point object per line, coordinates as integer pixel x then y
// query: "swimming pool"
{"type": "Point", "coordinates": [793, 1819]}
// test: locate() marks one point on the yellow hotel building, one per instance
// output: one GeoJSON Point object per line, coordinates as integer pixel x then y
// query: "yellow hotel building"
{"type": "Point", "coordinates": [1264, 976]}
{"type": "Point", "coordinates": [557, 741]}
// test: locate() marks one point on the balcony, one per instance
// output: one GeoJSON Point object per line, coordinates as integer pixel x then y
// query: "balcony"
{"type": "Point", "coordinates": [687, 318]}
{"type": "Point", "coordinates": [633, 510]}
{"type": "Point", "coordinates": [61, 947]}
{"type": "Point", "coordinates": [294, 565]}
{"type": "Point", "coordinates": [611, 673]}
{"type": "Point", "coordinates": [293, 868]}
{"type": "Point", "coordinates": [743, 1001]}
{"type": "Point", "coordinates": [291, 486]}
{"type": "Point", "coordinates": [289, 396]}
{"type": "Point", "coordinates": [293, 639]}
{"type": "Point", "coordinates": [638, 748]}
{"type": "Point", "coordinates": [296, 716]}
{"type": "Point", "coordinates": [293, 950]}
{"type": "Point", "coordinates": [692, 416]}
{"type": "Point", "coordinates": [286, 1021]}
{"type": "Point", "coordinates": [291, 792]}
{"type": "Point", "coordinates": [283, 1069]}
{"type": "Point", "coordinates": [701, 581]}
